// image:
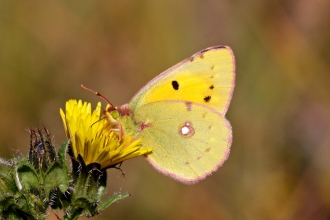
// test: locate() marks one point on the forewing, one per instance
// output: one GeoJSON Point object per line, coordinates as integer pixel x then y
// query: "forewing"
{"type": "Point", "coordinates": [207, 78]}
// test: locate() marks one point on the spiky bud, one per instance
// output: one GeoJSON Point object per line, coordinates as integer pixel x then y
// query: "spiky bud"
{"type": "Point", "coordinates": [42, 150]}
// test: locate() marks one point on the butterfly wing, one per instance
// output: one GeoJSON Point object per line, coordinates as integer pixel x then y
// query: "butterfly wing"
{"type": "Point", "coordinates": [189, 142]}
{"type": "Point", "coordinates": [207, 78]}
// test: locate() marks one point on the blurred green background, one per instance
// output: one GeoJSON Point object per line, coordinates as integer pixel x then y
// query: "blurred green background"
{"type": "Point", "coordinates": [279, 166]}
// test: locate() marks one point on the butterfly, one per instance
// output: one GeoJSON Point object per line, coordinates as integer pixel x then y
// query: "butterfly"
{"type": "Point", "coordinates": [181, 115]}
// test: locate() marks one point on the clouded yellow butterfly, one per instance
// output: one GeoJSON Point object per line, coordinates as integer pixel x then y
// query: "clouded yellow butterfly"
{"type": "Point", "coordinates": [181, 115]}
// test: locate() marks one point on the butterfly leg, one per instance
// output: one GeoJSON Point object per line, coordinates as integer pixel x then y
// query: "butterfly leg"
{"type": "Point", "coordinates": [118, 131]}
{"type": "Point", "coordinates": [120, 135]}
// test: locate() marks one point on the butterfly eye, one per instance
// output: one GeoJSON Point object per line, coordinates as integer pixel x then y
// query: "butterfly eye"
{"type": "Point", "coordinates": [114, 114]}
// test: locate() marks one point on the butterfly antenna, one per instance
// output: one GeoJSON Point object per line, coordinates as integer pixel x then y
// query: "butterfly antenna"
{"type": "Point", "coordinates": [98, 94]}
{"type": "Point", "coordinates": [97, 121]}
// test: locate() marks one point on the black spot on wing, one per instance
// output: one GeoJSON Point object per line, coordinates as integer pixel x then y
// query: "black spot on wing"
{"type": "Point", "coordinates": [175, 85]}
{"type": "Point", "coordinates": [207, 99]}
{"type": "Point", "coordinates": [211, 87]}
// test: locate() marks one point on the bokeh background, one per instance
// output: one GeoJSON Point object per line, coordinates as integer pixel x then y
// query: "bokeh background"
{"type": "Point", "coordinates": [279, 166]}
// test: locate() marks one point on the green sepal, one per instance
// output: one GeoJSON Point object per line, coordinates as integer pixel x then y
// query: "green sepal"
{"type": "Point", "coordinates": [79, 205]}
{"type": "Point", "coordinates": [7, 182]}
{"type": "Point", "coordinates": [97, 185]}
{"type": "Point", "coordinates": [56, 177]}
{"type": "Point", "coordinates": [5, 203]}
{"type": "Point", "coordinates": [12, 215]}
{"type": "Point", "coordinates": [73, 215]}
{"type": "Point", "coordinates": [61, 155]}
{"type": "Point", "coordinates": [111, 200]}
{"type": "Point", "coordinates": [26, 177]}
{"type": "Point", "coordinates": [18, 208]}
{"type": "Point", "coordinates": [102, 184]}
{"type": "Point", "coordinates": [36, 208]}
{"type": "Point", "coordinates": [19, 160]}
{"type": "Point", "coordinates": [83, 203]}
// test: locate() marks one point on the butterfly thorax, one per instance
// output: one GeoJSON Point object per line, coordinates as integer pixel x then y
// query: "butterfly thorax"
{"type": "Point", "coordinates": [112, 114]}
{"type": "Point", "coordinates": [120, 119]}
{"type": "Point", "coordinates": [129, 126]}
{"type": "Point", "coordinates": [124, 110]}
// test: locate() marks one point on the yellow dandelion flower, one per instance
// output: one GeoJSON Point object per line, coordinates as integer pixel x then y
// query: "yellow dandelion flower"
{"type": "Point", "coordinates": [93, 139]}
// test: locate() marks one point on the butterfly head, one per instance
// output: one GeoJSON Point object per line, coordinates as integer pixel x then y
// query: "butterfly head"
{"type": "Point", "coordinates": [111, 114]}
